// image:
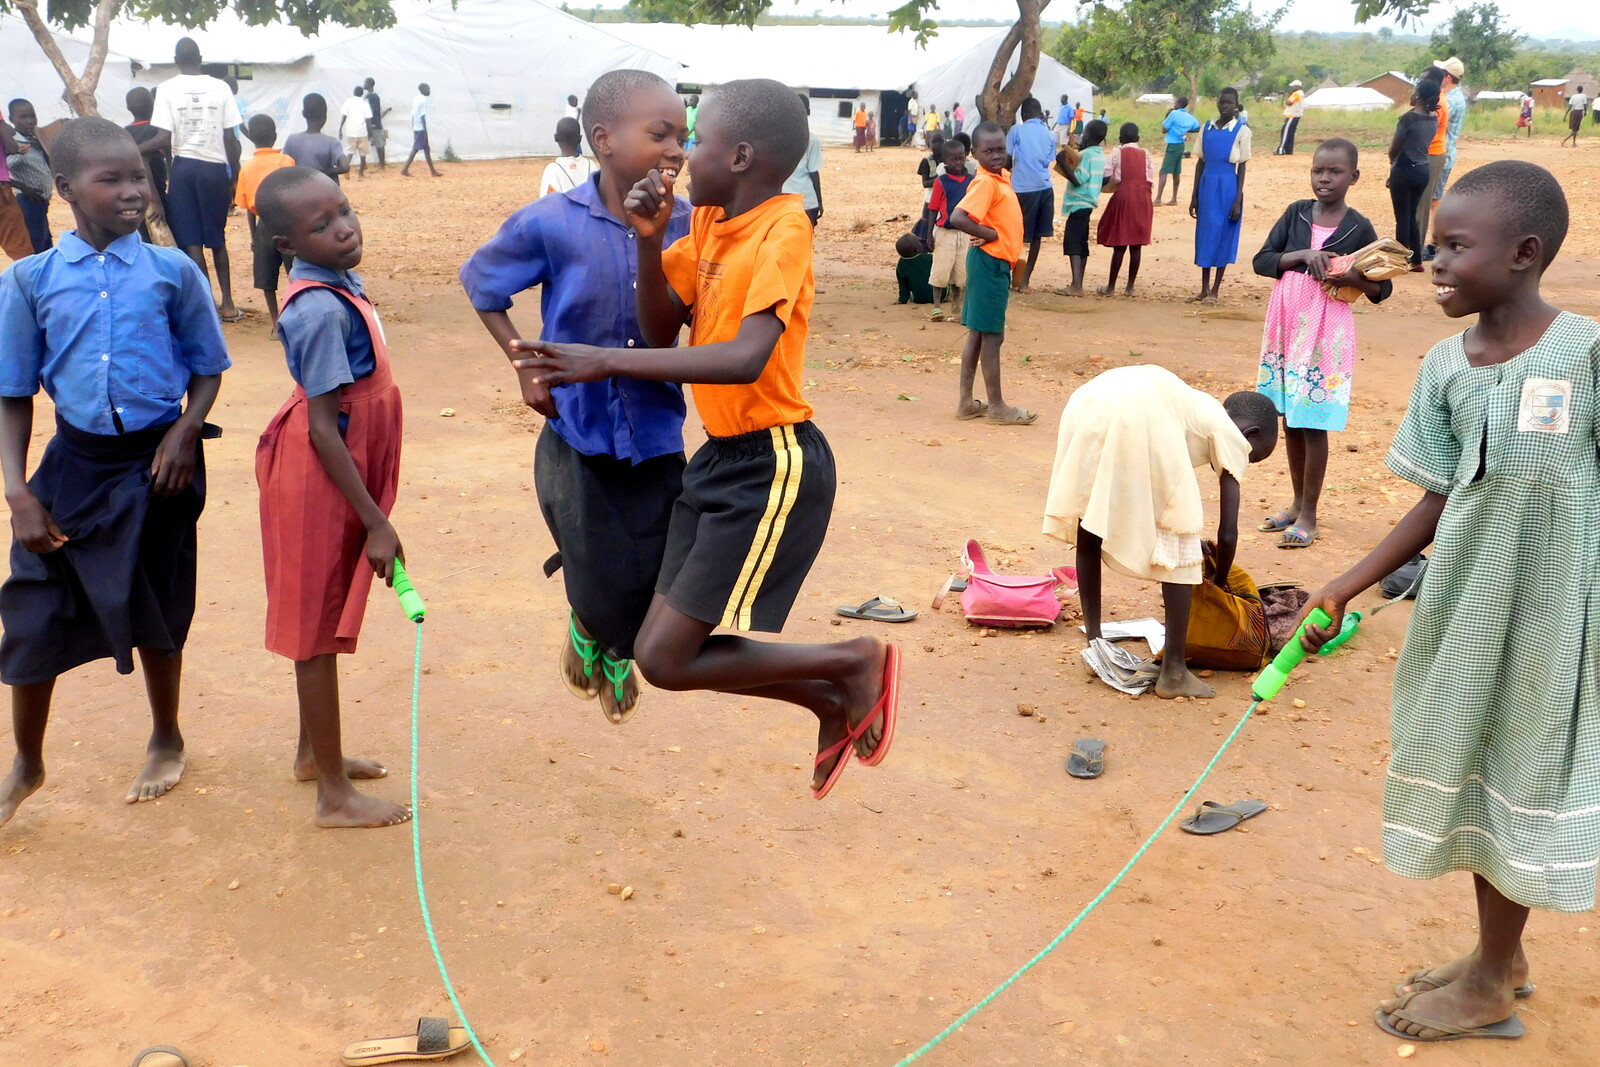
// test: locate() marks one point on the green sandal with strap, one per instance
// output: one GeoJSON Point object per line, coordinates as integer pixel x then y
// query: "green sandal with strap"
{"type": "Point", "coordinates": [617, 672]}
{"type": "Point", "coordinates": [588, 651]}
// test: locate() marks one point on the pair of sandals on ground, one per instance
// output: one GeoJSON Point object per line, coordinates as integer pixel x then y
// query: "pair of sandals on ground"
{"type": "Point", "coordinates": [1294, 535]}
{"type": "Point", "coordinates": [434, 1039]}
{"type": "Point", "coordinates": [980, 410]}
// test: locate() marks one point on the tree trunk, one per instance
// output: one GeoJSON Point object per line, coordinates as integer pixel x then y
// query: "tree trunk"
{"type": "Point", "coordinates": [80, 89]}
{"type": "Point", "coordinates": [1194, 88]}
{"type": "Point", "coordinates": [1000, 103]}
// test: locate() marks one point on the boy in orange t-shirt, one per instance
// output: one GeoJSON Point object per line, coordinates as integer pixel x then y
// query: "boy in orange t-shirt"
{"type": "Point", "coordinates": [758, 494]}
{"type": "Point", "coordinates": [991, 216]}
{"type": "Point", "coordinates": [264, 255]}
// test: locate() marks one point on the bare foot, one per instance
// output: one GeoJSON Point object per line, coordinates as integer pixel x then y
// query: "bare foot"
{"type": "Point", "coordinates": [1183, 684]}
{"type": "Point", "coordinates": [20, 784]}
{"type": "Point", "coordinates": [1466, 1002]}
{"type": "Point", "coordinates": [161, 772]}
{"type": "Point", "coordinates": [353, 809]}
{"type": "Point", "coordinates": [1446, 973]}
{"type": "Point", "coordinates": [362, 769]}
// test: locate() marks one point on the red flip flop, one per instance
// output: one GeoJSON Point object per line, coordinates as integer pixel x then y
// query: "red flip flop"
{"type": "Point", "coordinates": [845, 752]}
{"type": "Point", "coordinates": [888, 706]}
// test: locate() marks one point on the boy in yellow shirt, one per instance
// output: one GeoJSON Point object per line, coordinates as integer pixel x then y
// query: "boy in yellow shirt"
{"type": "Point", "coordinates": [758, 494]}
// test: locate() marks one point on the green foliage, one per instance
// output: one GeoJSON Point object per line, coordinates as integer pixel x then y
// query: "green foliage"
{"type": "Point", "coordinates": [449, 154]}
{"type": "Point", "coordinates": [1157, 42]}
{"type": "Point", "coordinates": [307, 16]}
{"type": "Point", "coordinates": [1403, 11]}
{"type": "Point", "coordinates": [1480, 37]}
{"type": "Point", "coordinates": [911, 16]}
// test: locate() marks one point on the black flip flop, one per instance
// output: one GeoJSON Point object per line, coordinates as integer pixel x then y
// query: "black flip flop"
{"type": "Point", "coordinates": [878, 609]}
{"type": "Point", "coordinates": [1214, 818]}
{"type": "Point", "coordinates": [1087, 759]}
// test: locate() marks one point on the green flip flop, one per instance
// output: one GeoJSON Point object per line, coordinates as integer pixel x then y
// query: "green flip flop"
{"type": "Point", "coordinates": [617, 672]}
{"type": "Point", "coordinates": [587, 649]}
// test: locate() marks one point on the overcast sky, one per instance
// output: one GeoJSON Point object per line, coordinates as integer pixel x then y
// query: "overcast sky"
{"type": "Point", "coordinates": [1536, 18]}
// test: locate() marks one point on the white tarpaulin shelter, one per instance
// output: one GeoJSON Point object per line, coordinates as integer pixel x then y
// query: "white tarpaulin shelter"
{"type": "Point", "coordinates": [963, 79]}
{"type": "Point", "coordinates": [25, 72]}
{"type": "Point", "coordinates": [1349, 98]}
{"type": "Point", "coordinates": [500, 71]}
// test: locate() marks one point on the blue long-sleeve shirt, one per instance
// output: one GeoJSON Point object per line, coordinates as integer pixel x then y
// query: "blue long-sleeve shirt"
{"type": "Point", "coordinates": [113, 337]}
{"type": "Point", "coordinates": [584, 260]}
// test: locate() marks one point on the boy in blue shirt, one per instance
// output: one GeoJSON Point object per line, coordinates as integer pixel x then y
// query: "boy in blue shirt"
{"type": "Point", "coordinates": [609, 466]}
{"type": "Point", "coordinates": [1177, 127]}
{"type": "Point", "coordinates": [103, 554]}
{"type": "Point", "coordinates": [1032, 152]}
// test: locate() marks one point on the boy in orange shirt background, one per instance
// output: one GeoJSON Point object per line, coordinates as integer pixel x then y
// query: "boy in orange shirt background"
{"type": "Point", "coordinates": [991, 216]}
{"type": "Point", "coordinates": [264, 255]}
{"type": "Point", "coordinates": [758, 494]}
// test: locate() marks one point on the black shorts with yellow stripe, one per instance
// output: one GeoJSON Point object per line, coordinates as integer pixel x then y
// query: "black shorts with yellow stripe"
{"type": "Point", "coordinates": [749, 525]}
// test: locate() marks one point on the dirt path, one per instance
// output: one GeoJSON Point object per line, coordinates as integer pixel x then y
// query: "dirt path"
{"type": "Point", "coordinates": [765, 927]}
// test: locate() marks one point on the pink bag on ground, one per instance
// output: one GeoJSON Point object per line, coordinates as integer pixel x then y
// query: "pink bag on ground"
{"type": "Point", "coordinates": [1012, 602]}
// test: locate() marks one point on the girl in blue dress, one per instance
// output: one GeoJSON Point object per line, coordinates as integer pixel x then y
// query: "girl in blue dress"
{"type": "Point", "coordinates": [1217, 203]}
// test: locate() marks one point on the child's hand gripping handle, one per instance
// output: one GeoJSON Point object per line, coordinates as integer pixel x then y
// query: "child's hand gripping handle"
{"type": "Point", "coordinates": [410, 599]}
{"type": "Point", "coordinates": [1272, 677]}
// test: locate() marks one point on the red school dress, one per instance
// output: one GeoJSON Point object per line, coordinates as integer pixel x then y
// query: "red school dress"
{"type": "Point", "coordinates": [312, 542]}
{"type": "Point", "coordinates": [1129, 215]}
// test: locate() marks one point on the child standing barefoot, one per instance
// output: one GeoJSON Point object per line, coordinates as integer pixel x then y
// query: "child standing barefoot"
{"type": "Point", "coordinates": [1496, 742]}
{"type": "Point", "coordinates": [1217, 203]}
{"type": "Point", "coordinates": [329, 469]}
{"type": "Point", "coordinates": [1308, 346]}
{"type": "Point", "coordinates": [1126, 223]}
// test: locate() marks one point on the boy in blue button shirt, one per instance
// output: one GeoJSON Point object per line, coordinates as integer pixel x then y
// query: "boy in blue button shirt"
{"type": "Point", "coordinates": [117, 332]}
{"type": "Point", "coordinates": [609, 466]}
{"type": "Point", "coordinates": [1033, 152]}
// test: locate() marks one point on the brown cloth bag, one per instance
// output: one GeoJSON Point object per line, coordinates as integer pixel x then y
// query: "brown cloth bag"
{"type": "Point", "coordinates": [1227, 625]}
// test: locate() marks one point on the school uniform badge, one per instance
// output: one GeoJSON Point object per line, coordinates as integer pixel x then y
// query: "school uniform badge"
{"type": "Point", "coordinates": [1546, 406]}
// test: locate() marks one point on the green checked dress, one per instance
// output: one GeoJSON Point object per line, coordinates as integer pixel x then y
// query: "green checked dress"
{"type": "Point", "coordinates": [1496, 720]}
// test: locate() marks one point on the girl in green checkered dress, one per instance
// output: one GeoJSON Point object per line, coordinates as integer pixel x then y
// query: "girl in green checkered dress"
{"type": "Point", "coordinates": [1495, 767]}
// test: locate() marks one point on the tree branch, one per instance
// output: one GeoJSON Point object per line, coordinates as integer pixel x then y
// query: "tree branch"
{"type": "Point", "coordinates": [29, 10]}
{"type": "Point", "coordinates": [101, 41]}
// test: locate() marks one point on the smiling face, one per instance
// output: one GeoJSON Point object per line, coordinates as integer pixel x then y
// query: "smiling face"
{"type": "Point", "coordinates": [1478, 260]}
{"type": "Point", "coordinates": [989, 149]}
{"type": "Point", "coordinates": [649, 132]}
{"type": "Point", "coordinates": [1332, 175]}
{"type": "Point", "coordinates": [325, 231]}
{"type": "Point", "coordinates": [108, 191]}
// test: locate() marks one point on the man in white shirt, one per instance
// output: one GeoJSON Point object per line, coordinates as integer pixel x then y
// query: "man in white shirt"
{"type": "Point", "coordinates": [1577, 104]}
{"type": "Point", "coordinates": [1293, 107]}
{"type": "Point", "coordinates": [421, 107]}
{"type": "Point", "coordinates": [196, 115]}
{"type": "Point", "coordinates": [353, 119]}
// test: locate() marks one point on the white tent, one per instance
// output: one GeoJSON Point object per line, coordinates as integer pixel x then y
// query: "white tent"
{"type": "Point", "coordinates": [25, 72]}
{"type": "Point", "coordinates": [964, 77]}
{"type": "Point", "coordinates": [500, 72]}
{"type": "Point", "coordinates": [1349, 98]}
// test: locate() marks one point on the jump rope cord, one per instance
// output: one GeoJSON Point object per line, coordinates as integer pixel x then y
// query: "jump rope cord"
{"type": "Point", "coordinates": [416, 854]}
{"type": "Point", "coordinates": [1183, 803]}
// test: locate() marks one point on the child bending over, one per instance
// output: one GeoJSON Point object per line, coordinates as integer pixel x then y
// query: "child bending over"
{"type": "Point", "coordinates": [1495, 736]}
{"type": "Point", "coordinates": [329, 469]}
{"type": "Point", "coordinates": [911, 271]}
{"type": "Point", "coordinates": [757, 496]}
{"type": "Point", "coordinates": [103, 552]}
{"type": "Point", "coordinates": [1123, 490]}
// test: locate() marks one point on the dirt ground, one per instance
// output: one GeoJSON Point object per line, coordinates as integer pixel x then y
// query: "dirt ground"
{"type": "Point", "coordinates": [764, 927]}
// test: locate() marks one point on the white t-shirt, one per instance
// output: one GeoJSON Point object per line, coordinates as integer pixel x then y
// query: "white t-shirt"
{"type": "Point", "coordinates": [353, 117]}
{"type": "Point", "coordinates": [572, 111]}
{"type": "Point", "coordinates": [420, 107]}
{"type": "Point", "coordinates": [196, 109]}
{"type": "Point", "coordinates": [565, 174]}
{"type": "Point", "coordinates": [1578, 102]}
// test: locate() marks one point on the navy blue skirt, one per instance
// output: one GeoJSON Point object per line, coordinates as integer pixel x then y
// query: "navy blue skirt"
{"type": "Point", "coordinates": [125, 579]}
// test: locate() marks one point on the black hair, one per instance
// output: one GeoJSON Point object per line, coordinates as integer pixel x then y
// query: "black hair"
{"type": "Point", "coordinates": [572, 99]}
{"type": "Point", "coordinates": [312, 104]}
{"type": "Point", "coordinates": [936, 138]}
{"type": "Point", "coordinates": [1432, 74]}
{"type": "Point", "coordinates": [80, 135]}
{"type": "Point", "coordinates": [1094, 132]}
{"type": "Point", "coordinates": [952, 143]}
{"type": "Point", "coordinates": [1252, 410]}
{"type": "Point", "coordinates": [11, 108]}
{"type": "Point", "coordinates": [805, 102]}
{"type": "Point", "coordinates": [1339, 144]}
{"type": "Point", "coordinates": [568, 132]}
{"type": "Point", "coordinates": [610, 94]}
{"type": "Point", "coordinates": [368, 83]}
{"type": "Point", "coordinates": [765, 114]}
{"type": "Point", "coordinates": [186, 51]}
{"type": "Point", "coordinates": [262, 131]}
{"type": "Point", "coordinates": [908, 245]}
{"type": "Point", "coordinates": [1128, 134]}
{"type": "Point", "coordinates": [1031, 108]}
{"type": "Point", "coordinates": [987, 126]}
{"type": "Point", "coordinates": [1525, 197]}
{"type": "Point", "coordinates": [1428, 95]}
{"type": "Point", "coordinates": [1063, 98]}
{"type": "Point", "coordinates": [1182, 101]}
{"type": "Point", "coordinates": [360, 89]}
{"type": "Point", "coordinates": [272, 210]}
{"type": "Point", "coordinates": [1228, 90]}
{"type": "Point", "coordinates": [140, 102]}
{"type": "Point", "coordinates": [966, 140]}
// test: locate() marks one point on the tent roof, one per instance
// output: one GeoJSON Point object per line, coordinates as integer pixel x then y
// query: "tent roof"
{"type": "Point", "coordinates": [1352, 96]}
{"type": "Point", "coordinates": [1500, 94]}
{"type": "Point", "coordinates": [963, 78]}
{"type": "Point", "coordinates": [29, 74]}
{"type": "Point", "coordinates": [820, 57]}
{"type": "Point", "coordinates": [1392, 74]}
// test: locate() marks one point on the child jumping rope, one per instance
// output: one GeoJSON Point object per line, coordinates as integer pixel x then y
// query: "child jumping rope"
{"type": "Point", "coordinates": [1495, 765]}
{"type": "Point", "coordinates": [1308, 345]}
{"type": "Point", "coordinates": [329, 470]}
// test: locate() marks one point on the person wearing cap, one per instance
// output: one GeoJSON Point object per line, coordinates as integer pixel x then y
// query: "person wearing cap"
{"type": "Point", "coordinates": [1455, 99]}
{"type": "Point", "coordinates": [1293, 107]}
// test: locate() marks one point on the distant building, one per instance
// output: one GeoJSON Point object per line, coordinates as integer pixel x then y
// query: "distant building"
{"type": "Point", "coordinates": [1553, 92]}
{"type": "Point", "coordinates": [1393, 84]}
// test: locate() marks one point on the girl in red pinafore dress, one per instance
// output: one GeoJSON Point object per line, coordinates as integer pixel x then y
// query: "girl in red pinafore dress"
{"type": "Point", "coordinates": [329, 469]}
{"type": "Point", "coordinates": [1129, 216]}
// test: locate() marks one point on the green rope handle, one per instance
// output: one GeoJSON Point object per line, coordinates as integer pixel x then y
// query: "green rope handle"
{"type": "Point", "coordinates": [1183, 803]}
{"type": "Point", "coordinates": [416, 854]}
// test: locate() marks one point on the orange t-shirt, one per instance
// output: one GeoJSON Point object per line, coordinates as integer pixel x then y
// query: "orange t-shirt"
{"type": "Point", "coordinates": [861, 119]}
{"type": "Point", "coordinates": [1436, 146]}
{"type": "Point", "coordinates": [252, 170]}
{"type": "Point", "coordinates": [729, 269]}
{"type": "Point", "coordinates": [991, 202]}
